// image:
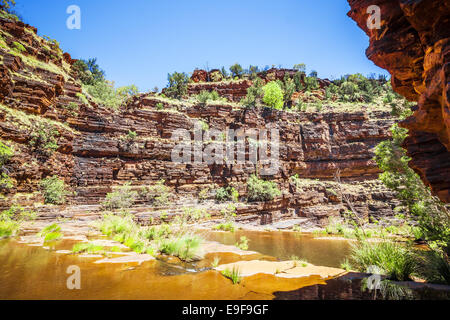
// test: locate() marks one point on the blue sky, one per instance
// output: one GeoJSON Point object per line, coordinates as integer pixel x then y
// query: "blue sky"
{"type": "Point", "coordinates": [140, 41]}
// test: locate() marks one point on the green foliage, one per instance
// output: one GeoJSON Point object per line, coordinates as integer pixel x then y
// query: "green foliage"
{"type": "Point", "coordinates": [255, 94]}
{"type": "Point", "coordinates": [434, 266]}
{"type": "Point", "coordinates": [227, 226]}
{"type": "Point", "coordinates": [260, 190]}
{"type": "Point", "coordinates": [243, 243]}
{"type": "Point", "coordinates": [301, 68]}
{"type": "Point", "coordinates": [89, 248]}
{"type": "Point", "coordinates": [101, 90]}
{"type": "Point", "coordinates": [236, 70]}
{"type": "Point", "coordinates": [311, 83]}
{"type": "Point", "coordinates": [44, 138]}
{"type": "Point", "coordinates": [184, 248]}
{"type": "Point", "coordinates": [6, 153]}
{"type": "Point", "coordinates": [54, 190]}
{"type": "Point", "coordinates": [228, 193]}
{"type": "Point", "coordinates": [159, 106]}
{"type": "Point", "coordinates": [432, 216]}
{"type": "Point", "coordinates": [298, 80]}
{"type": "Point", "coordinates": [131, 135]}
{"type": "Point", "coordinates": [51, 232]}
{"type": "Point", "coordinates": [89, 72]}
{"type": "Point", "coordinates": [234, 275]}
{"type": "Point", "coordinates": [17, 213]}
{"type": "Point", "coordinates": [18, 47]}
{"type": "Point", "coordinates": [177, 86]}
{"type": "Point", "coordinates": [158, 194]}
{"type": "Point", "coordinates": [8, 228]}
{"type": "Point", "coordinates": [53, 236]}
{"type": "Point", "coordinates": [273, 95]}
{"type": "Point", "coordinates": [215, 262]}
{"type": "Point", "coordinates": [103, 93]}
{"type": "Point", "coordinates": [205, 96]}
{"type": "Point", "coordinates": [122, 198]}
{"type": "Point", "coordinates": [288, 87]}
{"type": "Point", "coordinates": [394, 260]}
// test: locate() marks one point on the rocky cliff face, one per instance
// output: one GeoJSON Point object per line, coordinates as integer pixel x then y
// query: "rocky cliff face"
{"type": "Point", "coordinates": [41, 98]}
{"type": "Point", "coordinates": [413, 44]}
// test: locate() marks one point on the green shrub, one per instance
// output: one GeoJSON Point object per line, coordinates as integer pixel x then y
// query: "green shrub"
{"type": "Point", "coordinates": [18, 47]}
{"type": "Point", "coordinates": [273, 95]}
{"type": "Point", "coordinates": [122, 198]}
{"type": "Point", "coordinates": [53, 236]}
{"type": "Point", "coordinates": [260, 190]}
{"type": "Point", "coordinates": [89, 71]}
{"type": "Point", "coordinates": [103, 93]}
{"type": "Point", "coordinates": [228, 193]}
{"type": "Point", "coordinates": [177, 86]}
{"type": "Point", "coordinates": [8, 228]}
{"type": "Point", "coordinates": [157, 194]}
{"type": "Point", "coordinates": [311, 83]}
{"type": "Point", "coordinates": [434, 266]}
{"type": "Point", "coordinates": [54, 190]}
{"type": "Point", "coordinates": [51, 232]}
{"type": "Point", "coordinates": [254, 95]}
{"type": "Point", "coordinates": [429, 212]}
{"type": "Point", "coordinates": [6, 153]}
{"type": "Point", "coordinates": [17, 213]}
{"type": "Point", "coordinates": [243, 243]}
{"type": "Point", "coordinates": [396, 261]}
{"type": "Point", "coordinates": [43, 138]}
{"type": "Point", "coordinates": [228, 226]}
{"type": "Point", "coordinates": [236, 70]}
{"type": "Point", "coordinates": [159, 106]}
{"type": "Point", "coordinates": [205, 96]}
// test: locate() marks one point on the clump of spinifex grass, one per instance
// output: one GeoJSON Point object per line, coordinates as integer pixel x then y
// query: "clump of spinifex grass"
{"type": "Point", "coordinates": [89, 248]}
{"type": "Point", "coordinates": [397, 261]}
{"type": "Point", "coordinates": [234, 275]}
{"type": "Point", "coordinates": [170, 239]}
{"type": "Point", "coordinates": [51, 233]}
{"type": "Point", "coordinates": [8, 228]}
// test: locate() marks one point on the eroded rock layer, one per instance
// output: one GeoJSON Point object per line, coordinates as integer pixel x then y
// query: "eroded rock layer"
{"type": "Point", "coordinates": [42, 109]}
{"type": "Point", "coordinates": [413, 44]}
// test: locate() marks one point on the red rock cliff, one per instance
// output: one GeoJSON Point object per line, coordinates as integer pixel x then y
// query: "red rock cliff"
{"type": "Point", "coordinates": [413, 44]}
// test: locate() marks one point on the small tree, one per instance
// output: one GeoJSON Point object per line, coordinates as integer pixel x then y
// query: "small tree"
{"type": "Point", "coordinates": [301, 67]}
{"type": "Point", "coordinates": [54, 190]}
{"type": "Point", "coordinates": [177, 86]}
{"type": "Point", "coordinates": [236, 70]}
{"type": "Point", "coordinates": [260, 190]}
{"type": "Point", "coordinates": [273, 95]}
{"type": "Point", "coordinates": [89, 71]}
{"type": "Point", "coordinates": [254, 94]}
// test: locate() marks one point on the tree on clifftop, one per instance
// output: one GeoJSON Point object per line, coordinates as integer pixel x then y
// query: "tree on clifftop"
{"type": "Point", "coordinates": [177, 85]}
{"type": "Point", "coordinates": [236, 70]}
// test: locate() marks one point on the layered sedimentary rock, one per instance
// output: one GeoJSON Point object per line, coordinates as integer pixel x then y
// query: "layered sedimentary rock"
{"type": "Point", "coordinates": [40, 92]}
{"type": "Point", "coordinates": [413, 44]}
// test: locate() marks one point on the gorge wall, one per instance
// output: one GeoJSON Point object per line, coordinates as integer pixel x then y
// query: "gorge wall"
{"type": "Point", "coordinates": [413, 44]}
{"type": "Point", "coordinates": [41, 93]}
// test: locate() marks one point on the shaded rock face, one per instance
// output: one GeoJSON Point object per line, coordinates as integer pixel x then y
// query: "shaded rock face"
{"type": "Point", "coordinates": [38, 87]}
{"type": "Point", "coordinates": [413, 44]}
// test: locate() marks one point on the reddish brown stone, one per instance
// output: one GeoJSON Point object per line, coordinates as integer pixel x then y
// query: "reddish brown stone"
{"type": "Point", "coordinates": [413, 44]}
